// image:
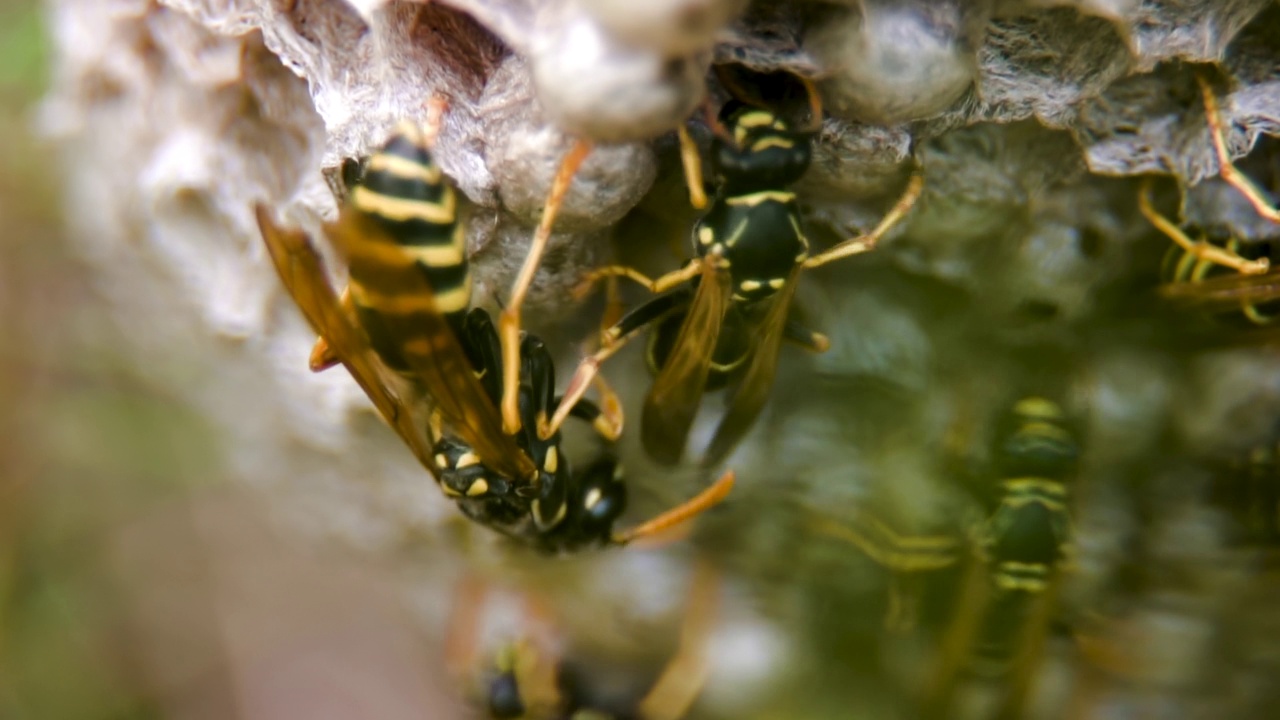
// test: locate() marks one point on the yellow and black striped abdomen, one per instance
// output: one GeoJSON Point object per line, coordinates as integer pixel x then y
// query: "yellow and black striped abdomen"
{"type": "Point", "coordinates": [411, 259]}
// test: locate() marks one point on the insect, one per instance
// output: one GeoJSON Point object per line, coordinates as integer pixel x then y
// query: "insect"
{"type": "Point", "coordinates": [432, 364]}
{"type": "Point", "coordinates": [1001, 619]}
{"type": "Point", "coordinates": [528, 681]}
{"type": "Point", "coordinates": [906, 557]}
{"type": "Point", "coordinates": [1197, 272]}
{"type": "Point", "coordinates": [721, 318]}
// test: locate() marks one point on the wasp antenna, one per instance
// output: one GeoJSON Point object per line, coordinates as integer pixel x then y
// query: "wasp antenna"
{"type": "Point", "coordinates": [692, 163]}
{"type": "Point", "coordinates": [815, 104]}
{"type": "Point", "coordinates": [699, 504]}
{"type": "Point", "coordinates": [711, 116]}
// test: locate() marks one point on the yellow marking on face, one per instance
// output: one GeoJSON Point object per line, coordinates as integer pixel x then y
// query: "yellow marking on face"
{"type": "Point", "coordinates": [592, 498]}
{"type": "Point", "coordinates": [391, 208]}
{"type": "Point", "coordinates": [706, 235]}
{"type": "Point", "coordinates": [777, 283]}
{"type": "Point", "coordinates": [479, 487]}
{"type": "Point", "coordinates": [466, 460]}
{"type": "Point", "coordinates": [405, 168]}
{"type": "Point", "coordinates": [755, 198]}
{"type": "Point", "coordinates": [450, 492]}
{"type": "Point", "coordinates": [772, 141]}
{"type": "Point", "coordinates": [1038, 407]}
{"type": "Point", "coordinates": [442, 460]}
{"type": "Point", "coordinates": [551, 462]}
{"type": "Point", "coordinates": [749, 285]}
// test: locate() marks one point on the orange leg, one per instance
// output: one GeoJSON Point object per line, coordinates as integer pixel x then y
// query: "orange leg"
{"type": "Point", "coordinates": [864, 243]}
{"type": "Point", "coordinates": [509, 321]}
{"type": "Point", "coordinates": [1226, 168]}
{"type": "Point", "coordinates": [1201, 250]}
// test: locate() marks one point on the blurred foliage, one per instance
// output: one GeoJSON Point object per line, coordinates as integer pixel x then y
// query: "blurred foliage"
{"type": "Point", "coordinates": [84, 444]}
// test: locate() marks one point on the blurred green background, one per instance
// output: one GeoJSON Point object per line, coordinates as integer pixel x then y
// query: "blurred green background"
{"type": "Point", "coordinates": [85, 444]}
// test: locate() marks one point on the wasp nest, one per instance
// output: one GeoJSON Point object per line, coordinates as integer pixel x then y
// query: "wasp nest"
{"type": "Point", "coordinates": [1025, 267]}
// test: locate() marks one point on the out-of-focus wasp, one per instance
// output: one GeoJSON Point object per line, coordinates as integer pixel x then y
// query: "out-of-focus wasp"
{"type": "Point", "coordinates": [1196, 272]}
{"type": "Point", "coordinates": [906, 556]}
{"type": "Point", "coordinates": [431, 363]}
{"type": "Point", "coordinates": [1000, 623]}
{"type": "Point", "coordinates": [528, 681]}
{"type": "Point", "coordinates": [724, 314]}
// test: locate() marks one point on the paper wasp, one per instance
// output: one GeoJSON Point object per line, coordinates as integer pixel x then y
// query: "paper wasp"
{"type": "Point", "coordinates": [528, 681]}
{"type": "Point", "coordinates": [432, 364]}
{"type": "Point", "coordinates": [722, 317]}
{"type": "Point", "coordinates": [1000, 623]}
{"type": "Point", "coordinates": [1198, 273]}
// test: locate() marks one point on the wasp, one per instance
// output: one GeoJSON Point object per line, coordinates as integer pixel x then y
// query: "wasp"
{"type": "Point", "coordinates": [1000, 621]}
{"type": "Point", "coordinates": [1198, 273]}
{"type": "Point", "coordinates": [907, 557]}
{"type": "Point", "coordinates": [721, 318]}
{"type": "Point", "coordinates": [432, 364]}
{"type": "Point", "coordinates": [528, 681]}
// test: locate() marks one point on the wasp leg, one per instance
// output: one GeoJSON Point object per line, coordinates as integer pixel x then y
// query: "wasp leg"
{"type": "Point", "coordinates": [1226, 168]}
{"type": "Point", "coordinates": [815, 104]}
{"type": "Point", "coordinates": [596, 417]}
{"type": "Point", "coordinates": [1201, 250]}
{"type": "Point", "coordinates": [685, 675]}
{"type": "Point", "coordinates": [864, 243]}
{"type": "Point", "coordinates": [614, 339]}
{"type": "Point", "coordinates": [688, 510]}
{"type": "Point", "coordinates": [664, 283]}
{"type": "Point", "coordinates": [692, 163]}
{"type": "Point", "coordinates": [806, 338]}
{"type": "Point", "coordinates": [509, 321]}
{"type": "Point", "coordinates": [322, 355]}
{"type": "Point", "coordinates": [957, 641]}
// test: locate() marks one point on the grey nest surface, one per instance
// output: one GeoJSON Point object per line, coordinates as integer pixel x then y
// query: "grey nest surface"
{"type": "Point", "coordinates": [1025, 267]}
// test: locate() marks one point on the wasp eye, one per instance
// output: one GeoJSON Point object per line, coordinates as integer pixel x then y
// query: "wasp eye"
{"type": "Point", "coordinates": [603, 498]}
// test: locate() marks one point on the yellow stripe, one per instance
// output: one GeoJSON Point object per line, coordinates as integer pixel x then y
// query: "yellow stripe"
{"type": "Point", "coordinates": [1044, 429]}
{"type": "Point", "coordinates": [753, 199]}
{"type": "Point", "coordinates": [391, 255]}
{"type": "Point", "coordinates": [405, 168]}
{"type": "Point", "coordinates": [772, 141]}
{"type": "Point", "coordinates": [1053, 487]}
{"type": "Point", "coordinates": [406, 304]}
{"type": "Point", "coordinates": [1038, 407]}
{"type": "Point", "coordinates": [755, 118]}
{"type": "Point", "coordinates": [444, 213]}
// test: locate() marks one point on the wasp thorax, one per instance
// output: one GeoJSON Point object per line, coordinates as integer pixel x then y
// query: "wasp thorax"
{"type": "Point", "coordinates": [766, 154]}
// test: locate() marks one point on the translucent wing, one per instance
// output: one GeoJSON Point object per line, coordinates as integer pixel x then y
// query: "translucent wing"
{"type": "Point", "coordinates": [429, 344]}
{"type": "Point", "coordinates": [302, 272]}
{"type": "Point", "coordinates": [672, 402]}
{"type": "Point", "coordinates": [757, 380]}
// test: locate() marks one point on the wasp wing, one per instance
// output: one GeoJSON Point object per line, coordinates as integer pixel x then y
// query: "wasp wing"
{"type": "Point", "coordinates": [673, 400]}
{"type": "Point", "coordinates": [757, 380]}
{"type": "Point", "coordinates": [429, 344]}
{"type": "Point", "coordinates": [302, 271]}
